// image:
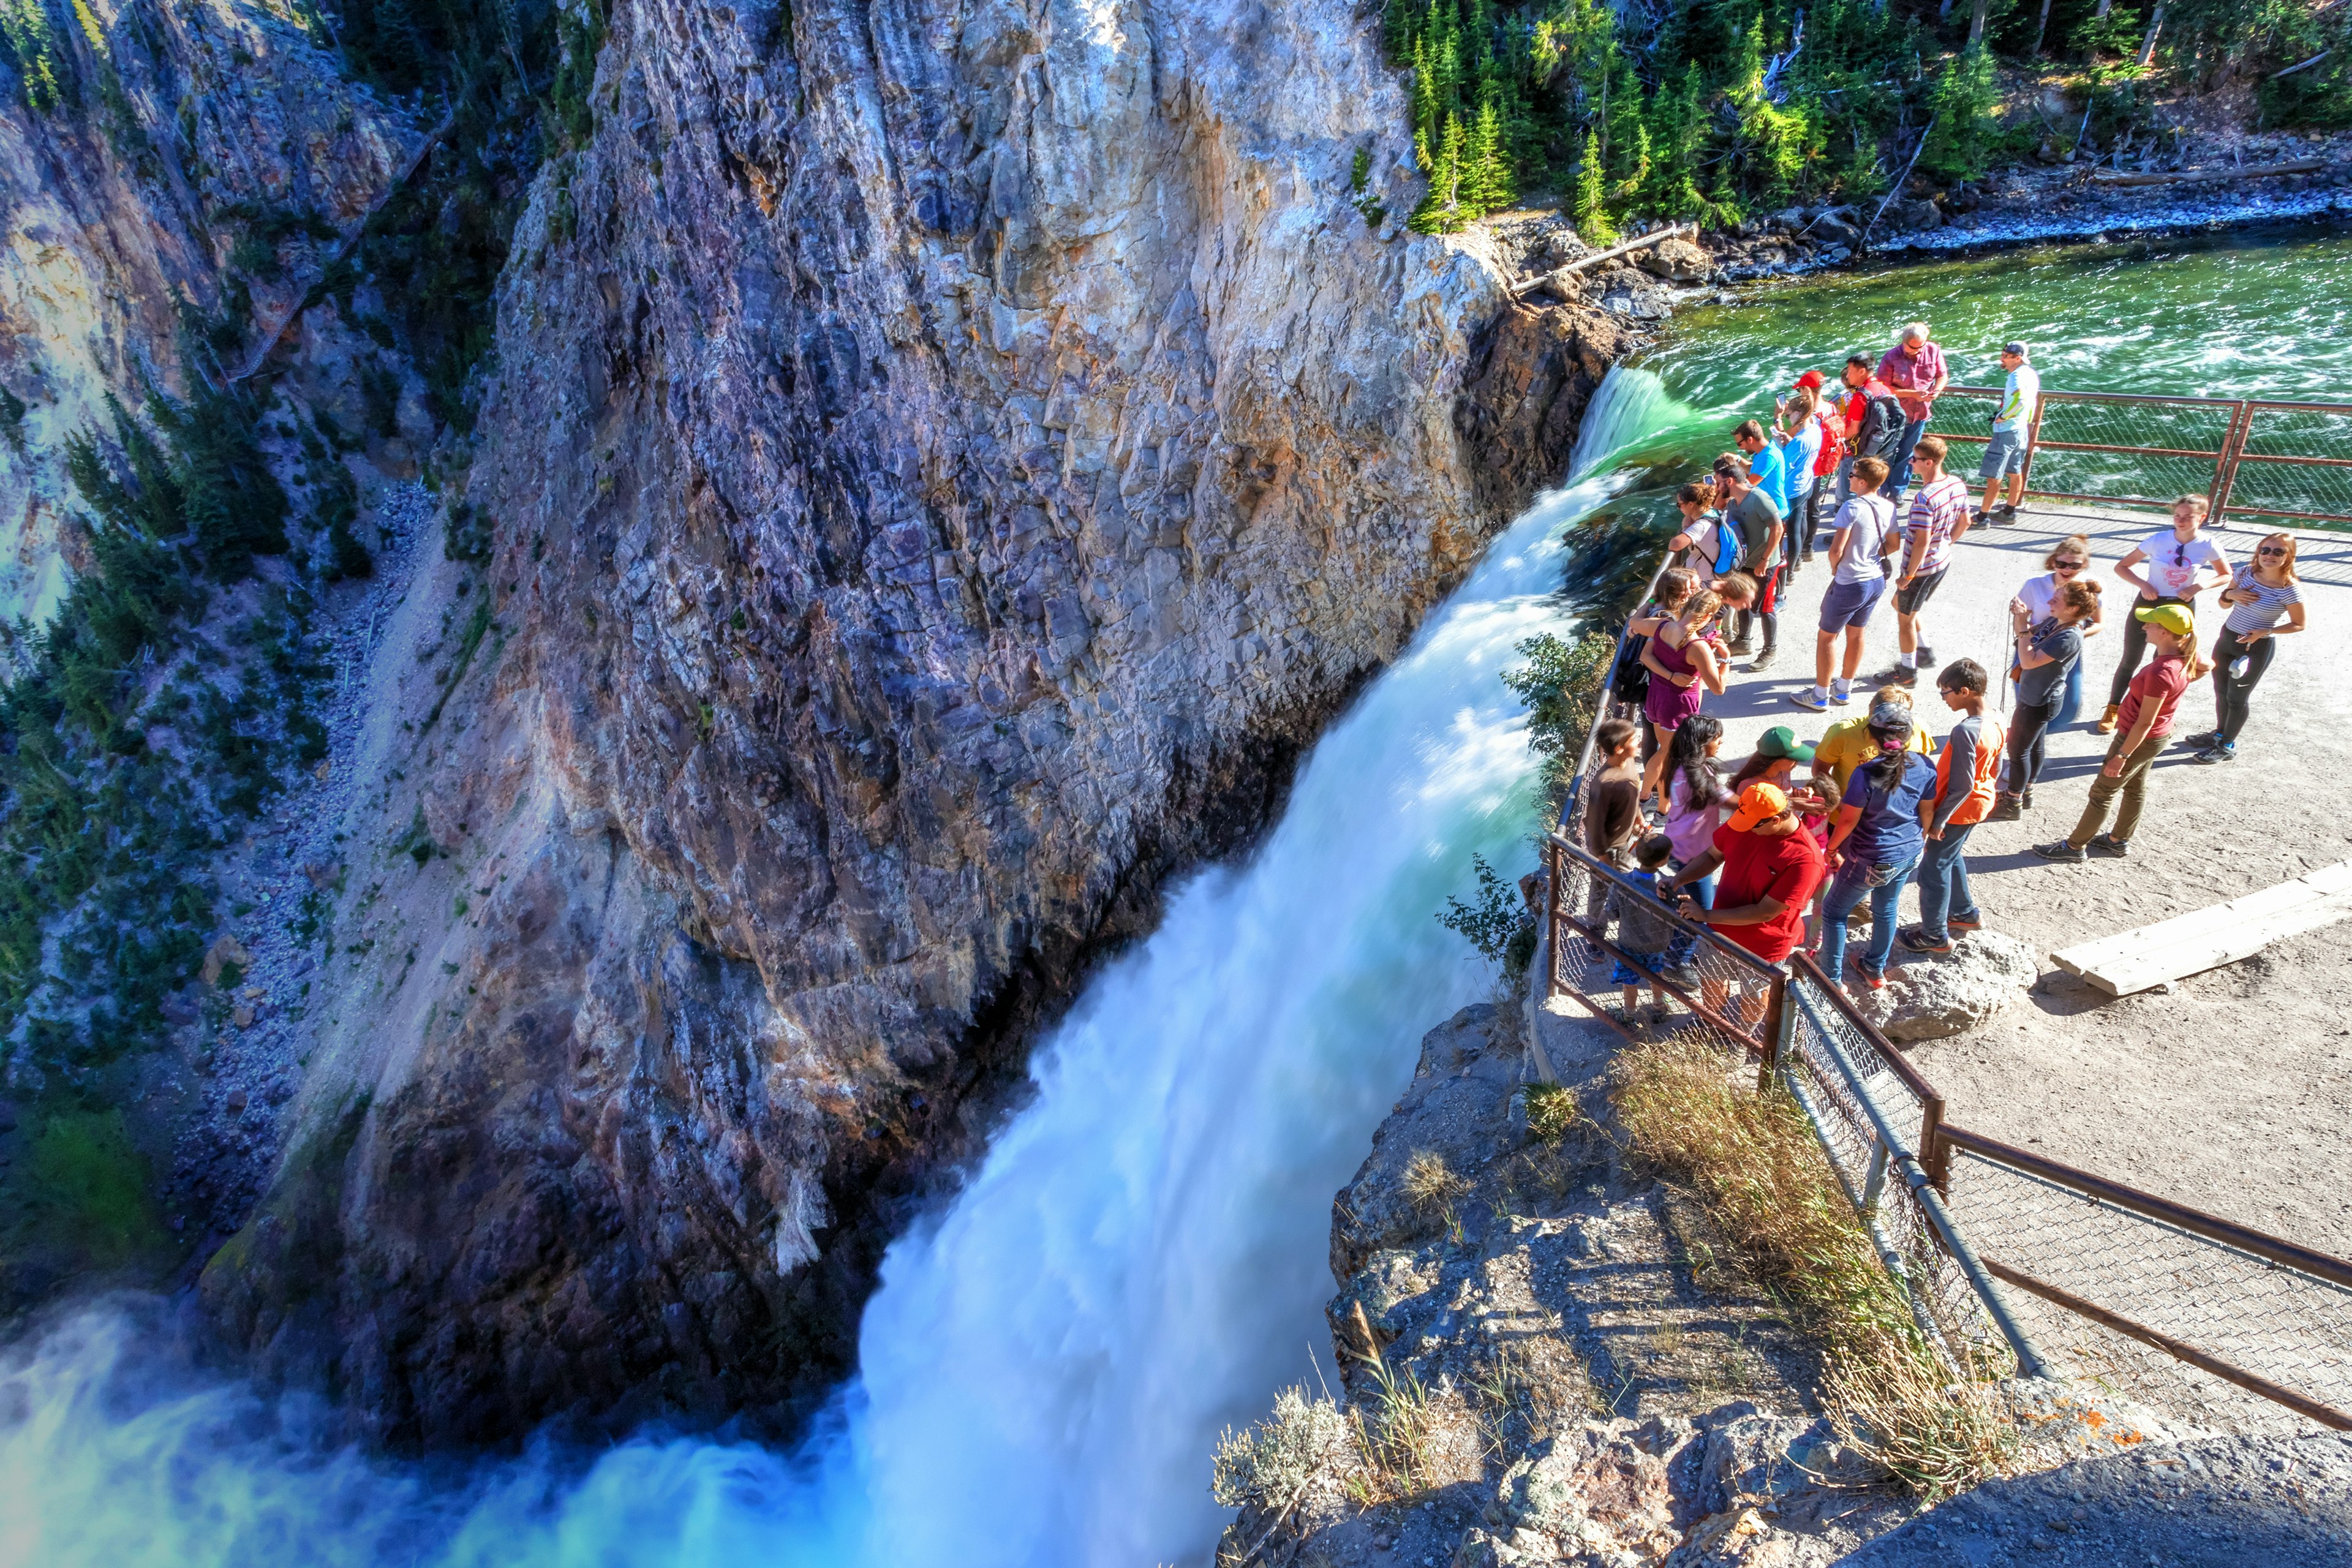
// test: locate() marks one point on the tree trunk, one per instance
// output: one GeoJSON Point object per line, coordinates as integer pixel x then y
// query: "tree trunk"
{"type": "Point", "coordinates": [2155, 25]}
{"type": "Point", "coordinates": [2039, 28]}
{"type": "Point", "coordinates": [1977, 21]}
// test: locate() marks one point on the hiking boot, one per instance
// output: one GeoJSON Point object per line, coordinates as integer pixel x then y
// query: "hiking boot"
{"type": "Point", "coordinates": [2006, 807]}
{"type": "Point", "coordinates": [2223, 752]}
{"type": "Point", "coordinates": [2113, 849]}
{"type": "Point", "coordinates": [2060, 849]}
{"type": "Point", "coordinates": [1762, 661]}
{"type": "Point", "coordinates": [1924, 941]}
{"type": "Point", "coordinates": [2106, 724]}
{"type": "Point", "coordinates": [1741, 648]}
{"type": "Point", "coordinates": [1964, 922]}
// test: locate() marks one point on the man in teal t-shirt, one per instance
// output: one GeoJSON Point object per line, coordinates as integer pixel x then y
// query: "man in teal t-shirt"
{"type": "Point", "coordinates": [1767, 465]}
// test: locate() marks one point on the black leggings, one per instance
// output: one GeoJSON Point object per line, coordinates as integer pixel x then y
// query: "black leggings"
{"type": "Point", "coordinates": [2029, 728]}
{"type": "Point", "coordinates": [2134, 647]}
{"type": "Point", "coordinates": [2232, 697]}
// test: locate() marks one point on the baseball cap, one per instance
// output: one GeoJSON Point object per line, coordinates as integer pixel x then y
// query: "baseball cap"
{"type": "Point", "coordinates": [2013, 348]}
{"type": "Point", "coordinates": [1891, 718]}
{"type": "Point", "coordinates": [1779, 741]}
{"type": "Point", "coordinates": [1811, 381]}
{"type": "Point", "coordinates": [1759, 802]}
{"type": "Point", "coordinates": [2174, 618]}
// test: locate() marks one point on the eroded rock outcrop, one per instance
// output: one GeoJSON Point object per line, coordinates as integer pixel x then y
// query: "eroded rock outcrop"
{"type": "Point", "coordinates": [943, 466]}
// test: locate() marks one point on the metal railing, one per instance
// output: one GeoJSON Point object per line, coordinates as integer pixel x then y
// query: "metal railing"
{"type": "Point", "coordinates": [2255, 457]}
{"type": "Point", "coordinates": [1950, 1212]}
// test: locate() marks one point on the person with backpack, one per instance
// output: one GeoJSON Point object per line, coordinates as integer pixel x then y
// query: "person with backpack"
{"type": "Point", "coordinates": [1963, 795]}
{"type": "Point", "coordinates": [1873, 414]}
{"type": "Point", "coordinates": [1864, 531]}
{"type": "Point", "coordinates": [1629, 683]}
{"type": "Point", "coordinates": [1707, 543]}
{"type": "Point", "coordinates": [1875, 839]}
{"type": "Point", "coordinates": [1748, 507]}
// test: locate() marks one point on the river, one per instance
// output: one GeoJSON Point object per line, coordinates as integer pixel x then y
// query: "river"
{"type": "Point", "coordinates": [1139, 1260]}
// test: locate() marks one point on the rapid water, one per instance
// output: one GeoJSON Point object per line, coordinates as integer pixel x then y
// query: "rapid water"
{"type": "Point", "coordinates": [1139, 1261]}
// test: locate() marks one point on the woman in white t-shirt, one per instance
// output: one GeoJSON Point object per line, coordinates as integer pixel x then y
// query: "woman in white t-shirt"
{"type": "Point", "coordinates": [2170, 566]}
{"type": "Point", "coordinates": [2266, 600]}
{"type": "Point", "coordinates": [2062, 565]}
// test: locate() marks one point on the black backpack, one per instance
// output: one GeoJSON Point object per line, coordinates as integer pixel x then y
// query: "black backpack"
{"type": "Point", "coordinates": [1629, 679]}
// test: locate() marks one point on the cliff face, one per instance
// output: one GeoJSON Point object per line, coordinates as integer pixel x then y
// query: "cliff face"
{"type": "Point", "coordinates": [944, 463]}
{"type": "Point", "coordinates": [207, 151]}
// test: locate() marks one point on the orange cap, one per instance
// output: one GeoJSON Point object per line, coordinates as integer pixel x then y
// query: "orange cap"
{"type": "Point", "coordinates": [1759, 802]}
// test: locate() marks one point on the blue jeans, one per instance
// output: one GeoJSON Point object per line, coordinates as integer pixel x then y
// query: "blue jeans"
{"type": "Point", "coordinates": [1847, 889]}
{"type": "Point", "coordinates": [1683, 948]}
{"type": "Point", "coordinates": [2070, 707]}
{"type": "Point", "coordinates": [1944, 881]}
{"type": "Point", "coordinates": [1898, 475]}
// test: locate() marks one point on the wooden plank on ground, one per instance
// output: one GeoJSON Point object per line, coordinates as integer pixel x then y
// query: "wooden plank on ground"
{"type": "Point", "coordinates": [2206, 938]}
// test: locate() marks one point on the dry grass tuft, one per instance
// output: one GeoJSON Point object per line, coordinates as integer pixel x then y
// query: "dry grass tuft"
{"type": "Point", "coordinates": [1430, 1186]}
{"type": "Point", "coordinates": [1552, 1112]}
{"type": "Point", "coordinates": [1751, 1161]}
{"type": "Point", "coordinates": [1276, 1462]}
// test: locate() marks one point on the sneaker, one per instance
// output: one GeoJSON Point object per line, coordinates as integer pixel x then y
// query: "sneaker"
{"type": "Point", "coordinates": [2004, 510]}
{"type": "Point", "coordinates": [1924, 941]}
{"type": "Point", "coordinates": [2204, 741]}
{"type": "Point", "coordinates": [2113, 849]}
{"type": "Point", "coordinates": [1741, 648]}
{"type": "Point", "coordinates": [2060, 849]}
{"type": "Point", "coordinates": [1874, 982]}
{"type": "Point", "coordinates": [1682, 975]}
{"type": "Point", "coordinates": [1894, 675]}
{"type": "Point", "coordinates": [2006, 807]}
{"type": "Point", "coordinates": [1762, 661]}
{"type": "Point", "coordinates": [2027, 797]}
{"type": "Point", "coordinates": [1927, 657]}
{"type": "Point", "coordinates": [1964, 922]}
{"type": "Point", "coordinates": [1841, 696]}
{"type": "Point", "coordinates": [1808, 556]}
{"type": "Point", "coordinates": [2227, 751]}
{"type": "Point", "coordinates": [2106, 724]}
{"type": "Point", "coordinates": [1810, 699]}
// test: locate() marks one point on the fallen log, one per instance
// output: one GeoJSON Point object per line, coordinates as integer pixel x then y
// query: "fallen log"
{"type": "Point", "coordinates": [1560, 274]}
{"type": "Point", "coordinates": [2211, 176]}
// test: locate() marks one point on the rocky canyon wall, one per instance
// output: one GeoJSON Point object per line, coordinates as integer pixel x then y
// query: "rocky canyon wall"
{"type": "Point", "coordinates": [944, 461]}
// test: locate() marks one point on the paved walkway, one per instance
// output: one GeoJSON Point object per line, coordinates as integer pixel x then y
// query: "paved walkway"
{"type": "Point", "coordinates": [2231, 1092]}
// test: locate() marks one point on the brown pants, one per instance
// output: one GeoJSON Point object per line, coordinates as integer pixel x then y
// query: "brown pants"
{"type": "Point", "coordinates": [2132, 786]}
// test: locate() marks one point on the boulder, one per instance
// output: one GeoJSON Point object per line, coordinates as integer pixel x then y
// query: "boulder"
{"type": "Point", "coordinates": [1928, 998]}
{"type": "Point", "coordinates": [1831, 228]}
{"type": "Point", "coordinates": [1916, 215]}
{"type": "Point", "coordinates": [1676, 260]}
{"type": "Point", "coordinates": [226, 949]}
{"type": "Point", "coordinates": [1600, 1493]}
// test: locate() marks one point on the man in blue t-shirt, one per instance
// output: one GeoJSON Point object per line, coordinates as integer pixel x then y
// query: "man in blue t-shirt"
{"type": "Point", "coordinates": [1767, 465]}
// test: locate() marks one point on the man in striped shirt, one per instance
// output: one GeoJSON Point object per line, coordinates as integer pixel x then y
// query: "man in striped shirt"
{"type": "Point", "coordinates": [1939, 515]}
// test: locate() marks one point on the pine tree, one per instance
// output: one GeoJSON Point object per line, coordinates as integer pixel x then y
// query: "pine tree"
{"type": "Point", "coordinates": [1440, 211]}
{"type": "Point", "coordinates": [1591, 207]}
{"type": "Point", "coordinates": [1487, 184]}
{"type": "Point", "coordinates": [1424, 100]}
{"type": "Point", "coordinates": [1397, 31]}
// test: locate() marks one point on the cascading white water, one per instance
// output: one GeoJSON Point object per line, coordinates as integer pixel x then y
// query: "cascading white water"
{"type": "Point", "coordinates": [1137, 1262]}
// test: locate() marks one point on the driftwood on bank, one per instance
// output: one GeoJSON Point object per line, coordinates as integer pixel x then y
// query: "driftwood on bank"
{"type": "Point", "coordinates": [2212, 176]}
{"type": "Point", "coordinates": [1561, 274]}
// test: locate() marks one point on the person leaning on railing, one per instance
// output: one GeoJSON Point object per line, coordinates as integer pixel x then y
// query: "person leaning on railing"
{"type": "Point", "coordinates": [2266, 600]}
{"type": "Point", "coordinates": [1613, 808]}
{"type": "Point", "coordinates": [2181, 562]}
{"type": "Point", "coordinates": [1915, 368]}
{"type": "Point", "coordinates": [1766, 868]}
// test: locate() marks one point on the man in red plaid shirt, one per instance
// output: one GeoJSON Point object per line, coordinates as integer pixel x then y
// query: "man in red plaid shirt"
{"type": "Point", "coordinates": [1915, 368]}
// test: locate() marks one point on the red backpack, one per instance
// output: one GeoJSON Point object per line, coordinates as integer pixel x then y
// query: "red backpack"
{"type": "Point", "coordinates": [1825, 461]}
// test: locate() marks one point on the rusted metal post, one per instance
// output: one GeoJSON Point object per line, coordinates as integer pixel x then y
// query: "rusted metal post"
{"type": "Point", "coordinates": [1934, 1155]}
{"type": "Point", "coordinates": [2225, 468]}
{"type": "Point", "coordinates": [1551, 919]}
{"type": "Point", "coordinates": [1780, 1018]}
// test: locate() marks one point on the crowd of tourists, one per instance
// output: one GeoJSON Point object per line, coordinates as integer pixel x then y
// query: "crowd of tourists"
{"type": "Point", "coordinates": [1853, 480]}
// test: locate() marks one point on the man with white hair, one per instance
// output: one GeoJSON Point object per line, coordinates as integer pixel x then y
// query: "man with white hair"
{"type": "Point", "coordinates": [1915, 368]}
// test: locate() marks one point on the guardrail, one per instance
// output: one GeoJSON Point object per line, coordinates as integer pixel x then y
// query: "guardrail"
{"type": "Point", "coordinates": [2255, 457]}
{"type": "Point", "coordinates": [1955, 1215]}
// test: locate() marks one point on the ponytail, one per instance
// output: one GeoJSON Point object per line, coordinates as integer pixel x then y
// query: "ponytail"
{"type": "Point", "coordinates": [1686, 757]}
{"type": "Point", "coordinates": [2192, 660]}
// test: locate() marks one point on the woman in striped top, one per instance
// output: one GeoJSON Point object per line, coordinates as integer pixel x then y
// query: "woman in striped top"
{"type": "Point", "coordinates": [2261, 597]}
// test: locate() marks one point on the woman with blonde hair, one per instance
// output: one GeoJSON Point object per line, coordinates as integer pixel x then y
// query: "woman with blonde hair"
{"type": "Point", "coordinates": [2266, 600]}
{"type": "Point", "coordinates": [1684, 665]}
{"type": "Point", "coordinates": [2067, 563]}
{"type": "Point", "coordinates": [2048, 652]}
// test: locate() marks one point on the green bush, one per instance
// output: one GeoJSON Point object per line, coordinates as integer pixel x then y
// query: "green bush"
{"type": "Point", "coordinates": [1964, 134]}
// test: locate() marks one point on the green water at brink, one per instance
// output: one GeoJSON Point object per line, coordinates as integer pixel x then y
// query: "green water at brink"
{"type": "Point", "coordinates": [2265, 315]}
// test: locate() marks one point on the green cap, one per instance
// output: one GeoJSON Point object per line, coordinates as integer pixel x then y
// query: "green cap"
{"type": "Point", "coordinates": [1779, 741]}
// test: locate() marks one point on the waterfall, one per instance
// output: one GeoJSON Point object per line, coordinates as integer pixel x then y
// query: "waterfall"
{"type": "Point", "coordinates": [1137, 1262]}
{"type": "Point", "coordinates": [1631, 409]}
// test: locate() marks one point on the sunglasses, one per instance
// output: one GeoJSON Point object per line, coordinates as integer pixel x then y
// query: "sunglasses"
{"type": "Point", "coordinates": [2068, 565]}
{"type": "Point", "coordinates": [2272, 549]}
